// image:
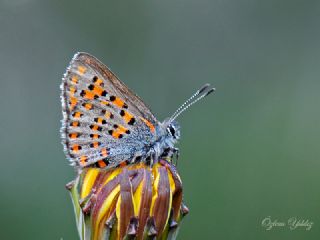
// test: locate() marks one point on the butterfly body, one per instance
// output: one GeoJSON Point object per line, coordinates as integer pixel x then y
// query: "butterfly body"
{"type": "Point", "coordinates": [105, 124]}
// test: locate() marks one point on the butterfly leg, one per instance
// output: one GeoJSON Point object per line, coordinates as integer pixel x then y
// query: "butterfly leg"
{"type": "Point", "coordinates": [154, 158]}
{"type": "Point", "coordinates": [151, 157]}
{"type": "Point", "coordinates": [176, 154]}
{"type": "Point", "coordinates": [167, 153]}
{"type": "Point", "coordinates": [150, 160]}
{"type": "Point", "coordinates": [137, 157]}
{"type": "Point", "coordinates": [171, 153]}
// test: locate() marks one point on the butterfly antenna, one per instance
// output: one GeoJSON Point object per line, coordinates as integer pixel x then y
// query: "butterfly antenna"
{"type": "Point", "coordinates": [203, 88]}
{"type": "Point", "coordinates": [198, 95]}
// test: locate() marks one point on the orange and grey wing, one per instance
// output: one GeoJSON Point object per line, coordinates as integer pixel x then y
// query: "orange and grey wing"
{"type": "Point", "coordinates": [104, 122]}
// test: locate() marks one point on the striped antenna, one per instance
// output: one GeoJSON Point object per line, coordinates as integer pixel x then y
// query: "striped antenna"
{"type": "Point", "coordinates": [198, 95]}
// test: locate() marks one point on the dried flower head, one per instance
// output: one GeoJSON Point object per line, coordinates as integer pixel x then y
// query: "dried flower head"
{"type": "Point", "coordinates": [129, 202]}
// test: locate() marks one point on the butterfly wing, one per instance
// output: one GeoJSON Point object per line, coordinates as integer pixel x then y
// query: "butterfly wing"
{"type": "Point", "coordinates": [104, 122]}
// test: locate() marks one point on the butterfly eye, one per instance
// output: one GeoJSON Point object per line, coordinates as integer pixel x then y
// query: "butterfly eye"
{"type": "Point", "coordinates": [171, 130]}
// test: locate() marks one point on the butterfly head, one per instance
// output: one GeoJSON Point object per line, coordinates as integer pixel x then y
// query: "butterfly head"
{"type": "Point", "coordinates": [172, 129]}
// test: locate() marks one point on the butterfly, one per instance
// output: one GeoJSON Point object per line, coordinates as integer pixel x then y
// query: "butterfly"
{"type": "Point", "coordinates": [105, 124]}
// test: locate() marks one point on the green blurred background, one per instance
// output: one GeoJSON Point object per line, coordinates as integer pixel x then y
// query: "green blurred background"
{"type": "Point", "coordinates": [247, 152]}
